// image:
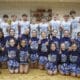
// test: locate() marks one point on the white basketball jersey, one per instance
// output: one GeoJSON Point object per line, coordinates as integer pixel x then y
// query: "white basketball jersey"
{"type": "Point", "coordinates": [43, 27]}
{"type": "Point", "coordinates": [55, 24]}
{"type": "Point", "coordinates": [34, 27]}
{"type": "Point", "coordinates": [14, 25]}
{"type": "Point", "coordinates": [66, 25]}
{"type": "Point", "coordinates": [24, 25]}
{"type": "Point", "coordinates": [4, 26]}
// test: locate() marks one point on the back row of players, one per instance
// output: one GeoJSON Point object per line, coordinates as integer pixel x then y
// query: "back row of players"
{"type": "Point", "coordinates": [43, 49]}
{"type": "Point", "coordinates": [72, 24]}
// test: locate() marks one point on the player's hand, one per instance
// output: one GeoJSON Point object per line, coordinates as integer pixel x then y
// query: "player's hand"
{"type": "Point", "coordinates": [30, 41]}
{"type": "Point", "coordinates": [60, 52]}
{"type": "Point", "coordinates": [46, 43]}
{"type": "Point", "coordinates": [2, 49]}
{"type": "Point", "coordinates": [18, 47]}
{"type": "Point", "coordinates": [72, 40]}
{"type": "Point", "coordinates": [39, 42]}
{"type": "Point", "coordinates": [70, 48]}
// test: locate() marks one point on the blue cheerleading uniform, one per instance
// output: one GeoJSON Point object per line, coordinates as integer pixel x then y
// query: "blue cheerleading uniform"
{"type": "Point", "coordinates": [13, 57]}
{"type": "Point", "coordinates": [24, 55]}
{"type": "Point", "coordinates": [64, 61]}
{"type": "Point", "coordinates": [78, 67]}
{"type": "Point", "coordinates": [67, 41]}
{"type": "Point", "coordinates": [43, 52]}
{"type": "Point", "coordinates": [2, 54]}
{"type": "Point", "coordinates": [78, 42]}
{"type": "Point", "coordinates": [25, 37]}
{"type": "Point", "coordinates": [56, 41]}
{"type": "Point", "coordinates": [7, 38]}
{"type": "Point", "coordinates": [74, 59]}
{"type": "Point", "coordinates": [34, 49]}
{"type": "Point", "coordinates": [53, 59]}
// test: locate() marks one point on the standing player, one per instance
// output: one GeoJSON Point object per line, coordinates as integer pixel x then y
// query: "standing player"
{"type": "Point", "coordinates": [14, 24]}
{"type": "Point", "coordinates": [34, 25]}
{"type": "Point", "coordinates": [55, 24]}
{"type": "Point", "coordinates": [24, 24]}
{"type": "Point", "coordinates": [5, 25]}
{"type": "Point", "coordinates": [74, 23]}
{"type": "Point", "coordinates": [66, 25]}
{"type": "Point", "coordinates": [43, 26]}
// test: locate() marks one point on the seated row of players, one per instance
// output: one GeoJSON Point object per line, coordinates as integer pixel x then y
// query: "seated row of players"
{"type": "Point", "coordinates": [49, 53]}
{"type": "Point", "coordinates": [72, 24]}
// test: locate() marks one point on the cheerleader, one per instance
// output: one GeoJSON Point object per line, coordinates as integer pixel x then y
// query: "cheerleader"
{"type": "Point", "coordinates": [64, 60]}
{"type": "Point", "coordinates": [54, 39]}
{"type": "Point", "coordinates": [53, 59]}
{"type": "Point", "coordinates": [74, 60]}
{"type": "Point", "coordinates": [77, 40]}
{"type": "Point", "coordinates": [34, 43]}
{"type": "Point", "coordinates": [3, 57]}
{"type": "Point", "coordinates": [24, 57]}
{"type": "Point", "coordinates": [10, 36]}
{"type": "Point", "coordinates": [43, 50]}
{"type": "Point", "coordinates": [78, 68]}
{"type": "Point", "coordinates": [25, 36]}
{"type": "Point", "coordinates": [66, 39]}
{"type": "Point", "coordinates": [13, 57]}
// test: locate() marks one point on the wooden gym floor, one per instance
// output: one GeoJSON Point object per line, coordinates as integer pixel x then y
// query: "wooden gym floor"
{"type": "Point", "coordinates": [34, 74]}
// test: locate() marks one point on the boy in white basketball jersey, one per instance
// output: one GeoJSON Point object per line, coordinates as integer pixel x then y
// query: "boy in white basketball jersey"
{"type": "Point", "coordinates": [14, 24]}
{"type": "Point", "coordinates": [5, 25]}
{"type": "Point", "coordinates": [66, 24]}
{"type": "Point", "coordinates": [34, 25]}
{"type": "Point", "coordinates": [55, 24]}
{"type": "Point", "coordinates": [43, 26]}
{"type": "Point", "coordinates": [74, 24]}
{"type": "Point", "coordinates": [24, 23]}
